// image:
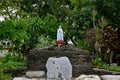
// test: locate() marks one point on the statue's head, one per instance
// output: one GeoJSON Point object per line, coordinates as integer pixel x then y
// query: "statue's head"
{"type": "Point", "coordinates": [60, 27]}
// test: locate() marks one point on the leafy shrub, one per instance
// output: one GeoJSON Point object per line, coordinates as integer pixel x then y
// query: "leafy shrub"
{"type": "Point", "coordinates": [97, 62]}
{"type": "Point", "coordinates": [110, 44]}
{"type": "Point", "coordinates": [105, 42]}
{"type": "Point", "coordinates": [12, 62]}
{"type": "Point", "coordinates": [110, 40]}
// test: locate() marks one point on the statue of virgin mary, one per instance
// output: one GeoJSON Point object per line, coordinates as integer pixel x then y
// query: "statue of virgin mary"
{"type": "Point", "coordinates": [60, 36]}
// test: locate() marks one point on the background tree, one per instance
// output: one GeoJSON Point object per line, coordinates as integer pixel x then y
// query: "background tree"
{"type": "Point", "coordinates": [38, 18]}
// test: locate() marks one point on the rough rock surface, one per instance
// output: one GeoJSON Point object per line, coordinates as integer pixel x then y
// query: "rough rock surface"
{"type": "Point", "coordinates": [80, 59]}
{"type": "Point", "coordinates": [59, 68]}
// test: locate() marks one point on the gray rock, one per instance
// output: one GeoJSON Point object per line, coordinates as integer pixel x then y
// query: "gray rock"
{"type": "Point", "coordinates": [21, 78]}
{"type": "Point", "coordinates": [88, 77]}
{"type": "Point", "coordinates": [110, 77]}
{"type": "Point", "coordinates": [35, 74]}
{"type": "Point", "coordinates": [59, 68]}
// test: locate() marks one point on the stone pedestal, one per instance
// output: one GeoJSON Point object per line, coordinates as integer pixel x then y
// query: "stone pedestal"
{"type": "Point", "coordinates": [80, 59]}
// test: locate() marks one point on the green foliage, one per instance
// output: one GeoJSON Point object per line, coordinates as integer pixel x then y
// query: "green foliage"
{"type": "Point", "coordinates": [49, 25]}
{"type": "Point", "coordinates": [4, 76]}
{"type": "Point", "coordinates": [14, 31]}
{"type": "Point", "coordinates": [43, 41]}
{"type": "Point", "coordinates": [34, 23]}
{"type": "Point", "coordinates": [12, 62]}
{"type": "Point", "coordinates": [114, 68]}
{"type": "Point", "coordinates": [74, 3]}
{"type": "Point", "coordinates": [83, 45]}
{"type": "Point", "coordinates": [109, 9]}
{"type": "Point", "coordinates": [98, 63]}
{"type": "Point", "coordinates": [24, 34]}
{"type": "Point", "coordinates": [103, 22]}
{"type": "Point", "coordinates": [26, 21]}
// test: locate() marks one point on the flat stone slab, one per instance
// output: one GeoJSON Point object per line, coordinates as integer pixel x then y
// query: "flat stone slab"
{"type": "Point", "coordinates": [110, 77]}
{"type": "Point", "coordinates": [59, 68]}
{"type": "Point", "coordinates": [88, 77]}
{"type": "Point", "coordinates": [35, 74]}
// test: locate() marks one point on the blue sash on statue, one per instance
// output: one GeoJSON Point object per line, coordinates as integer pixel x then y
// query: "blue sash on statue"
{"type": "Point", "coordinates": [60, 35]}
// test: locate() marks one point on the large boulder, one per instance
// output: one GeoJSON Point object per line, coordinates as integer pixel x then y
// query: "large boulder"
{"type": "Point", "coordinates": [80, 59]}
{"type": "Point", "coordinates": [59, 68]}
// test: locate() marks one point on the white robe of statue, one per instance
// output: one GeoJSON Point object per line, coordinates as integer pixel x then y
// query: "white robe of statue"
{"type": "Point", "coordinates": [60, 34]}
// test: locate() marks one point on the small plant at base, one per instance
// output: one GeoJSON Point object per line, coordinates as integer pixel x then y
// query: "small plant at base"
{"type": "Point", "coordinates": [97, 62]}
